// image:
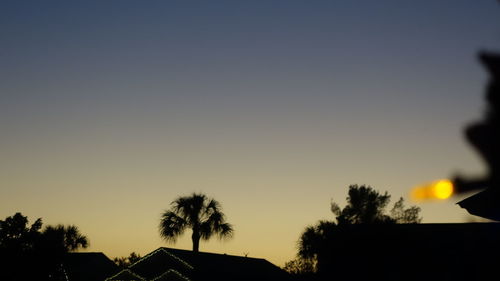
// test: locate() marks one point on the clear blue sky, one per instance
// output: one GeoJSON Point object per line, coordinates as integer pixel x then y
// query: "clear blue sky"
{"type": "Point", "coordinates": [109, 111]}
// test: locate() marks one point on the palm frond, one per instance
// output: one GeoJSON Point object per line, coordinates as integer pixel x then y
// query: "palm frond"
{"type": "Point", "coordinates": [206, 230]}
{"type": "Point", "coordinates": [198, 212]}
{"type": "Point", "coordinates": [190, 207]}
{"type": "Point", "coordinates": [171, 226]}
{"type": "Point", "coordinates": [67, 238]}
{"type": "Point", "coordinates": [312, 238]}
{"type": "Point", "coordinates": [74, 239]}
{"type": "Point", "coordinates": [225, 231]}
{"type": "Point", "coordinates": [216, 224]}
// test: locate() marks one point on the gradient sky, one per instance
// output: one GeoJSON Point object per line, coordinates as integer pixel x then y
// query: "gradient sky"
{"type": "Point", "coordinates": [109, 110]}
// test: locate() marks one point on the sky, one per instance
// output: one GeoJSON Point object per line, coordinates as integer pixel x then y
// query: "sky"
{"type": "Point", "coordinates": [110, 110]}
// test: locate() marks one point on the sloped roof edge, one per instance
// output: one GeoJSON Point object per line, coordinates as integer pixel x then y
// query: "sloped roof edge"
{"type": "Point", "coordinates": [162, 249]}
{"type": "Point", "coordinates": [169, 271]}
{"type": "Point", "coordinates": [128, 271]}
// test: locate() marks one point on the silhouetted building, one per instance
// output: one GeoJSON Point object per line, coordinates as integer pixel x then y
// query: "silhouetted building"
{"type": "Point", "coordinates": [467, 251]}
{"type": "Point", "coordinates": [175, 264]}
{"type": "Point", "coordinates": [87, 267]}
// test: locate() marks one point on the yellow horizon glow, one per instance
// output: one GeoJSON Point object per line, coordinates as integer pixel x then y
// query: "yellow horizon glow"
{"type": "Point", "coordinates": [439, 190]}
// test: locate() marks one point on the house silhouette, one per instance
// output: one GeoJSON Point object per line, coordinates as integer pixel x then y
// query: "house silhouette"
{"type": "Point", "coordinates": [174, 264]}
{"type": "Point", "coordinates": [87, 267]}
{"type": "Point", "coordinates": [449, 251]}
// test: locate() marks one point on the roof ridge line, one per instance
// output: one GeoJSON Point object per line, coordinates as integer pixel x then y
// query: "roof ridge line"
{"type": "Point", "coordinates": [219, 254]}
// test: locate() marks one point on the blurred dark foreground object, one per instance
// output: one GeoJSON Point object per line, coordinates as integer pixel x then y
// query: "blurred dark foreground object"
{"type": "Point", "coordinates": [483, 136]}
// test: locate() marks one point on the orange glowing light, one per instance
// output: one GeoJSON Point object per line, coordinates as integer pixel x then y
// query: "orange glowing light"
{"type": "Point", "coordinates": [441, 189]}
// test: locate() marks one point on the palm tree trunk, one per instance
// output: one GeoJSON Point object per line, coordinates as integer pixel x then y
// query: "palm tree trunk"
{"type": "Point", "coordinates": [196, 241]}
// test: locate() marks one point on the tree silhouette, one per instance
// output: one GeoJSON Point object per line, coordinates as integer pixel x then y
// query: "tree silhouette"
{"type": "Point", "coordinates": [15, 233]}
{"type": "Point", "coordinates": [401, 215]}
{"type": "Point", "coordinates": [300, 269]}
{"type": "Point", "coordinates": [26, 247]}
{"type": "Point", "coordinates": [313, 239]}
{"type": "Point", "coordinates": [65, 238]}
{"type": "Point", "coordinates": [201, 214]}
{"type": "Point", "coordinates": [367, 206]}
{"type": "Point", "coordinates": [124, 262]}
{"type": "Point", "coordinates": [364, 206]}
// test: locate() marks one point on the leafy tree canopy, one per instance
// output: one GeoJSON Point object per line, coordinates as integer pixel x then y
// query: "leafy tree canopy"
{"type": "Point", "coordinates": [364, 206]}
{"type": "Point", "coordinates": [300, 268]}
{"type": "Point", "coordinates": [24, 246]}
{"type": "Point", "coordinates": [125, 262]}
{"type": "Point", "coordinates": [16, 234]}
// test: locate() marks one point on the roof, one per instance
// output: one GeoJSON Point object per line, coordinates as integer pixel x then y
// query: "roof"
{"type": "Point", "coordinates": [88, 266]}
{"type": "Point", "coordinates": [229, 266]}
{"type": "Point", "coordinates": [175, 264]}
{"type": "Point", "coordinates": [483, 204]}
{"type": "Point", "coordinates": [126, 275]}
{"type": "Point", "coordinates": [171, 275]}
{"type": "Point", "coordinates": [158, 262]}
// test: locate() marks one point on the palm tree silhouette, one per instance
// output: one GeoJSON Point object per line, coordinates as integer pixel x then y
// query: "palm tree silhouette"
{"type": "Point", "coordinates": [201, 214]}
{"type": "Point", "coordinates": [65, 238]}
